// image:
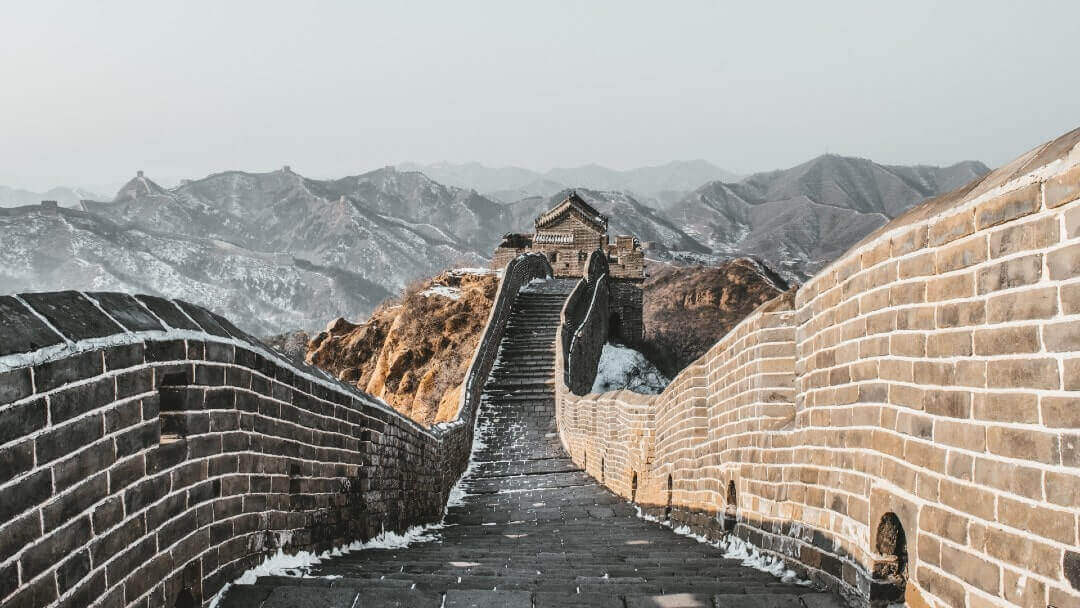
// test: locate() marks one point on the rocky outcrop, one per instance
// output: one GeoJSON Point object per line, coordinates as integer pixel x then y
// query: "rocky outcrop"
{"type": "Point", "coordinates": [689, 308]}
{"type": "Point", "coordinates": [413, 351]}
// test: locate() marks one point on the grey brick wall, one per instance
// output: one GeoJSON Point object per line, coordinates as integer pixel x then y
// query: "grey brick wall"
{"type": "Point", "coordinates": [147, 446]}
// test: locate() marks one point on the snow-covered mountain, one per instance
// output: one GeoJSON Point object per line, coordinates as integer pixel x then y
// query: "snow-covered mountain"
{"type": "Point", "coordinates": [800, 219]}
{"type": "Point", "coordinates": [386, 226]}
{"type": "Point", "coordinates": [651, 185]}
{"type": "Point", "coordinates": [262, 292]}
{"type": "Point", "coordinates": [277, 251]}
{"type": "Point", "coordinates": [64, 196]}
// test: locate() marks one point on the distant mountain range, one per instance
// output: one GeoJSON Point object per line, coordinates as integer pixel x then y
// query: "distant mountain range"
{"type": "Point", "coordinates": [65, 197]}
{"type": "Point", "coordinates": [799, 219]}
{"type": "Point", "coordinates": [654, 186]}
{"type": "Point", "coordinates": [277, 251]}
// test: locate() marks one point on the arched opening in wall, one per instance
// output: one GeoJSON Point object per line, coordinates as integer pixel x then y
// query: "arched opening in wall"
{"type": "Point", "coordinates": [603, 469]}
{"type": "Point", "coordinates": [614, 332]}
{"type": "Point", "coordinates": [667, 508]}
{"type": "Point", "coordinates": [553, 257]}
{"type": "Point", "coordinates": [731, 507]}
{"type": "Point", "coordinates": [185, 599]}
{"type": "Point", "coordinates": [633, 488]}
{"type": "Point", "coordinates": [890, 567]}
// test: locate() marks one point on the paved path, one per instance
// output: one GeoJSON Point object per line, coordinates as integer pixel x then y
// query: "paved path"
{"type": "Point", "coordinates": [534, 531]}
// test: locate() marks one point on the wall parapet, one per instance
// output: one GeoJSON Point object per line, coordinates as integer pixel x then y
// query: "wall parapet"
{"type": "Point", "coordinates": [151, 451]}
{"type": "Point", "coordinates": [912, 409]}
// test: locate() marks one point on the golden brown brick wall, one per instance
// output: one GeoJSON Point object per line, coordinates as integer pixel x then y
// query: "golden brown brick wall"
{"type": "Point", "coordinates": [933, 372]}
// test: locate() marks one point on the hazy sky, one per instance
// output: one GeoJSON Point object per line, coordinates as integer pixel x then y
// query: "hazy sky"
{"type": "Point", "coordinates": [92, 91]}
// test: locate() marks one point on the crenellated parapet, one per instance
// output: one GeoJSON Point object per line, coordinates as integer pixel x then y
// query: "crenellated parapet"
{"type": "Point", "coordinates": [904, 426]}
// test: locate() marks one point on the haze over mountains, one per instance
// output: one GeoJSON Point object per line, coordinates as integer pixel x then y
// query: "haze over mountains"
{"type": "Point", "coordinates": [652, 185]}
{"type": "Point", "coordinates": [64, 196]}
{"type": "Point", "coordinates": [277, 251]}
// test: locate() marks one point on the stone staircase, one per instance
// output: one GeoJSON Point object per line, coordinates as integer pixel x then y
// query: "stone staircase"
{"type": "Point", "coordinates": [533, 531]}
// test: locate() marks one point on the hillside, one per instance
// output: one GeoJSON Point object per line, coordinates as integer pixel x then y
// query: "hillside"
{"type": "Point", "coordinates": [64, 196]}
{"type": "Point", "coordinates": [798, 220]}
{"type": "Point", "coordinates": [413, 351]}
{"type": "Point", "coordinates": [652, 185]}
{"type": "Point", "coordinates": [689, 308]}
{"type": "Point", "coordinates": [269, 293]}
{"type": "Point", "coordinates": [387, 226]}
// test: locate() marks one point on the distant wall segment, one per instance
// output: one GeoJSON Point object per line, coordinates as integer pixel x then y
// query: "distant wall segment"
{"type": "Point", "coordinates": [908, 421]}
{"type": "Point", "coordinates": [150, 449]}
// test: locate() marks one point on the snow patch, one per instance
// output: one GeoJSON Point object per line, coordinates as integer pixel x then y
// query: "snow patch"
{"type": "Point", "coordinates": [454, 293]}
{"type": "Point", "coordinates": [299, 564]}
{"type": "Point", "coordinates": [736, 548]}
{"type": "Point", "coordinates": [622, 367]}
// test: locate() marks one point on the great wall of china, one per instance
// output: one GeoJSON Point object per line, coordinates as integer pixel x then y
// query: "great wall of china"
{"type": "Point", "coordinates": [907, 422]}
{"type": "Point", "coordinates": [914, 406]}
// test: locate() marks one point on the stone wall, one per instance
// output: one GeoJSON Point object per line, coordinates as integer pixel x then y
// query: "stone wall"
{"type": "Point", "coordinates": [583, 327]}
{"type": "Point", "coordinates": [914, 409]}
{"type": "Point", "coordinates": [151, 452]}
{"type": "Point", "coordinates": [627, 304]}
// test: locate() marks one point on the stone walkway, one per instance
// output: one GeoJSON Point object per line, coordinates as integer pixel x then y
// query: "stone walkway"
{"type": "Point", "coordinates": [534, 531]}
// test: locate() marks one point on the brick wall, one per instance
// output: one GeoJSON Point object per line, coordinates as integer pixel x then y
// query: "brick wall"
{"type": "Point", "coordinates": [930, 377]}
{"type": "Point", "coordinates": [148, 446]}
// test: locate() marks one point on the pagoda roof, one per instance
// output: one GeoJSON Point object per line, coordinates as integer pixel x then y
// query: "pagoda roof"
{"type": "Point", "coordinates": [573, 204]}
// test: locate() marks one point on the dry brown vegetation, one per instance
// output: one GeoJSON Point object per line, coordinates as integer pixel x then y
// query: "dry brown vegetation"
{"type": "Point", "coordinates": [689, 308]}
{"type": "Point", "coordinates": [414, 350]}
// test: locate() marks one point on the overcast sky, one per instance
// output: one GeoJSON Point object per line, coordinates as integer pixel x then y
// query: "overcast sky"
{"type": "Point", "coordinates": [92, 91]}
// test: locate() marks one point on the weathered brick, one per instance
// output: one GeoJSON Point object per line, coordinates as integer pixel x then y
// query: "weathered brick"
{"type": "Point", "coordinates": [1062, 188]}
{"type": "Point", "coordinates": [961, 255]}
{"type": "Point", "coordinates": [60, 441]}
{"type": "Point", "coordinates": [15, 385]}
{"type": "Point", "coordinates": [1006, 476]}
{"type": "Point", "coordinates": [1062, 337]}
{"type": "Point", "coordinates": [1070, 379]}
{"type": "Point", "coordinates": [1007, 407]}
{"type": "Point", "coordinates": [1060, 412]}
{"type": "Point", "coordinates": [971, 568]}
{"type": "Point", "coordinates": [917, 266]}
{"type": "Point", "coordinates": [1048, 523]}
{"type": "Point", "coordinates": [948, 344]}
{"type": "Point", "coordinates": [1017, 306]}
{"type": "Point", "coordinates": [1064, 263]}
{"type": "Point", "coordinates": [74, 401]}
{"type": "Point", "coordinates": [951, 591]}
{"type": "Point", "coordinates": [1063, 489]}
{"type": "Point", "coordinates": [1024, 553]}
{"type": "Point", "coordinates": [954, 404]}
{"type": "Point", "coordinates": [947, 229]}
{"type": "Point", "coordinates": [1014, 272]}
{"type": "Point", "coordinates": [1007, 340]}
{"type": "Point", "coordinates": [1024, 237]}
{"type": "Point", "coordinates": [950, 287]}
{"type": "Point", "coordinates": [55, 546]}
{"type": "Point", "coordinates": [960, 314]}
{"type": "Point", "coordinates": [1023, 444]}
{"type": "Point", "coordinates": [908, 344]}
{"type": "Point", "coordinates": [1009, 206]}
{"type": "Point", "coordinates": [1072, 222]}
{"type": "Point", "coordinates": [960, 434]}
{"type": "Point", "coordinates": [921, 317]}
{"type": "Point", "coordinates": [21, 420]}
{"type": "Point", "coordinates": [1023, 373]}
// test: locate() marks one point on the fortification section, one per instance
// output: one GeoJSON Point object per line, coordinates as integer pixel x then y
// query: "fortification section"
{"type": "Point", "coordinates": [150, 451]}
{"type": "Point", "coordinates": [907, 423]}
